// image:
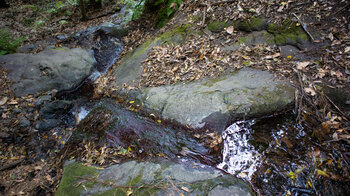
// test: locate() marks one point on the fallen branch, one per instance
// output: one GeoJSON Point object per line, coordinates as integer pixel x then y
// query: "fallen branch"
{"type": "Point", "coordinates": [204, 16]}
{"type": "Point", "coordinates": [342, 8]}
{"type": "Point", "coordinates": [304, 27]}
{"type": "Point", "coordinates": [218, 3]}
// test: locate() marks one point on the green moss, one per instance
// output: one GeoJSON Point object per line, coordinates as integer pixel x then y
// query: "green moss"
{"type": "Point", "coordinates": [136, 180]}
{"type": "Point", "coordinates": [273, 100]}
{"type": "Point", "coordinates": [69, 179]}
{"type": "Point", "coordinates": [242, 40]}
{"type": "Point", "coordinates": [211, 82]}
{"type": "Point", "coordinates": [167, 11]}
{"type": "Point", "coordinates": [287, 33]}
{"type": "Point", "coordinates": [251, 24]}
{"type": "Point", "coordinates": [208, 92]}
{"type": "Point", "coordinates": [217, 26]}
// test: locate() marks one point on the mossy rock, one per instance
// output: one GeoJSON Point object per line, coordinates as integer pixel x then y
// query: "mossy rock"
{"type": "Point", "coordinates": [289, 32]}
{"type": "Point", "coordinates": [71, 174]}
{"type": "Point", "coordinates": [251, 24]}
{"type": "Point", "coordinates": [217, 26]}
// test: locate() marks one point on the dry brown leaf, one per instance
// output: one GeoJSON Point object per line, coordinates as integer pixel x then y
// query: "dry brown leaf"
{"type": "Point", "coordinates": [310, 91]}
{"type": "Point", "coordinates": [302, 65]}
{"type": "Point", "coordinates": [3, 100]}
{"type": "Point", "coordinates": [273, 56]}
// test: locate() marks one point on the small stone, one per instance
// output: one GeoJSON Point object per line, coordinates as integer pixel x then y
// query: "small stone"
{"type": "Point", "coordinates": [24, 122]}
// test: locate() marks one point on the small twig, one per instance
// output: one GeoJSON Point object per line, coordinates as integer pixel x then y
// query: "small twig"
{"type": "Point", "coordinates": [304, 27]}
{"type": "Point", "coordinates": [341, 9]}
{"type": "Point", "coordinates": [302, 95]}
{"type": "Point", "coordinates": [11, 165]}
{"type": "Point", "coordinates": [336, 107]}
{"type": "Point", "coordinates": [204, 16]}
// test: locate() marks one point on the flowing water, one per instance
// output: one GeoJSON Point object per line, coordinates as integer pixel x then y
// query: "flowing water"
{"type": "Point", "coordinates": [280, 157]}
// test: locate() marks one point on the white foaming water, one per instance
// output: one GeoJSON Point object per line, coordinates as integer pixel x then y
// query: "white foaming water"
{"type": "Point", "coordinates": [82, 114]}
{"type": "Point", "coordinates": [239, 156]}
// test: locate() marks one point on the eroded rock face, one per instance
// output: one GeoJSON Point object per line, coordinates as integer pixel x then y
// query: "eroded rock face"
{"type": "Point", "coordinates": [58, 69]}
{"type": "Point", "coordinates": [211, 103]}
{"type": "Point", "coordinates": [152, 179]}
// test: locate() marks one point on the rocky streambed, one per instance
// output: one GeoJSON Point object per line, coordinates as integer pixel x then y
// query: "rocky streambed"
{"type": "Point", "coordinates": [187, 139]}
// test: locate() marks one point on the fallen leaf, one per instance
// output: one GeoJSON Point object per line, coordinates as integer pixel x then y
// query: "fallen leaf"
{"type": "Point", "coordinates": [3, 101]}
{"type": "Point", "coordinates": [273, 56]}
{"type": "Point", "coordinates": [302, 65]}
{"type": "Point", "coordinates": [347, 49]}
{"type": "Point", "coordinates": [185, 189]}
{"type": "Point", "coordinates": [330, 36]}
{"type": "Point", "coordinates": [310, 91]}
{"type": "Point", "coordinates": [38, 167]}
{"type": "Point", "coordinates": [229, 30]}
{"type": "Point", "coordinates": [322, 173]}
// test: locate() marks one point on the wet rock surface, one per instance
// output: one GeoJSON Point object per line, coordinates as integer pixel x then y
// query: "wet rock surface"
{"type": "Point", "coordinates": [211, 103]}
{"type": "Point", "coordinates": [103, 40]}
{"type": "Point", "coordinates": [58, 69]}
{"type": "Point", "coordinates": [54, 114]}
{"type": "Point", "coordinates": [111, 124]}
{"type": "Point", "coordinates": [150, 178]}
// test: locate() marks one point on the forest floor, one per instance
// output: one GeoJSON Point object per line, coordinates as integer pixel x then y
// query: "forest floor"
{"type": "Point", "coordinates": [23, 173]}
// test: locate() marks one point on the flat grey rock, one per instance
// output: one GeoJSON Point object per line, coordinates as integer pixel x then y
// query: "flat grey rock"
{"type": "Point", "coordinates": [58, 69]}
{"type": "Point", "coordinates": [212, 103]}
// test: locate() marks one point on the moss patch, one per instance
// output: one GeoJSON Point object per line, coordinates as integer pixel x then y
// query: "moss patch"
{"type": "Point", "coordinates": [70, 177]}
{"type": "Point", "coordinates": [211, 82]}
{"type": "Point", "coordinates": [287, 33]}
{"type": "Point", "coordinates": [251, 24]}
{"type": "Point", "coordinates": [217, 26]}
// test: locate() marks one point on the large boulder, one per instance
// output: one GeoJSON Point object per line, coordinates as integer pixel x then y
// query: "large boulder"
{"type": "Point", "coordinates": [147, 178]}
{"type": "Point", "coordinates": [59, 69]}
{"type": "Point", "coordinates": [213, 103]}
